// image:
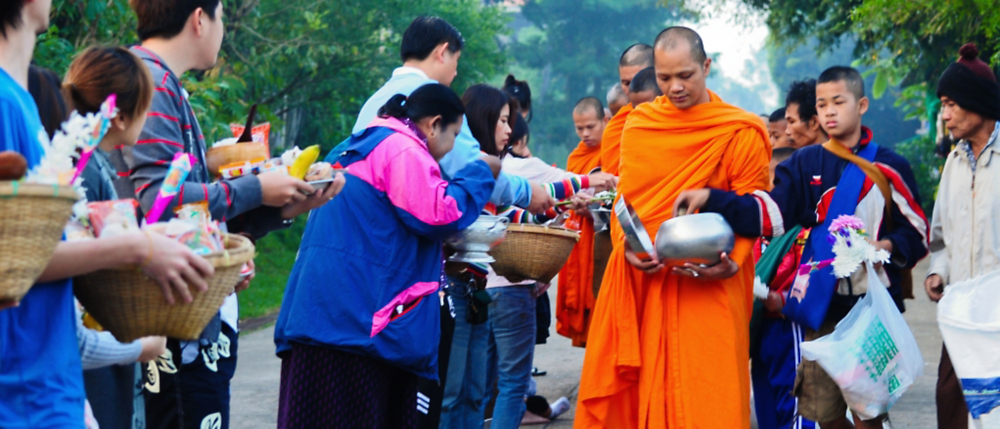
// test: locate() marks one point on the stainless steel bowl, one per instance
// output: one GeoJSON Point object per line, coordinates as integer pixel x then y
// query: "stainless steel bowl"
{"type": "Point", "coordinates": [601, 215]}
{"type": "Point", "coordinates": [474, 243]}
{"type": "Point", "coordinates": [697, 238]}
{"type": "Point", "coordinates": [635, 233]}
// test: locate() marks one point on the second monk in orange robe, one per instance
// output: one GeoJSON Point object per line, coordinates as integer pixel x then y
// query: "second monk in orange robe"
{"type": "Point", "coordinates": [668, 350]}
{"type": "Point", "coordinates": [575, 297]}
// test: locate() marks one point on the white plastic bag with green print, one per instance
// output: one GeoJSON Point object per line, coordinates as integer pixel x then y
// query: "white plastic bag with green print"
{"type": "Point", "coordinates": [871, 354]}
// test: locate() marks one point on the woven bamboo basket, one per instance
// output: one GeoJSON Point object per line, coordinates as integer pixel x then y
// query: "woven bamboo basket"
{"type": "Point", "coordinates": [533, 252]}
{"type": "Point", "coordinates": [32, 218]}
{"type": "Point", "coordinates": [131, 305]}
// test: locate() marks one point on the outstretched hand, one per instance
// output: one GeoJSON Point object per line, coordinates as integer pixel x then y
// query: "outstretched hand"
{"type": "Point", "coordinates": [691, 201]}
{"type": "Point", "coordinates": [316, 199]}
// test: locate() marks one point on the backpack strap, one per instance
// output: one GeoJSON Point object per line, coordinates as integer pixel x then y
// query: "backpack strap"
{"type": "Point", "coordinates": [870, 170]}
{"type": "Point", "coordinates": [882, 182]}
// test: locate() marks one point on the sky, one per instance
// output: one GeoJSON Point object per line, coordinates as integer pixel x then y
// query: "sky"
{"type": "Point", "coordinates": [737, 33]}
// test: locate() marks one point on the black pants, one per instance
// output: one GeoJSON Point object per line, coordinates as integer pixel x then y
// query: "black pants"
{"type": "Point", "coordinates": [195, 395]}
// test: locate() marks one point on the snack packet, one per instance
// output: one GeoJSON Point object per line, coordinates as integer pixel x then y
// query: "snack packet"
{"type": "Point", "coordinates": [112, 218]}
{"type": "Point", "coordinates": [194, 227]}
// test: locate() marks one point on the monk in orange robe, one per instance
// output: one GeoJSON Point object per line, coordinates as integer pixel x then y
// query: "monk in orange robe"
{"type": "Point", "coordinates": [636, 58]}
{"type": "Point", "coordinates": [575, 297]}
{"type": "Point", "coordinates": [668, 346]}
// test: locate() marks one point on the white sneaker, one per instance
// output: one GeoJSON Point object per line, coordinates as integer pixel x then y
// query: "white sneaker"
{"type": "Point", "coordinates": [559, 407]}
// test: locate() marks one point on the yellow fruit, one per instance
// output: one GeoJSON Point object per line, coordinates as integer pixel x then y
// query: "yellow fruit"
{"type": "Point", "coordinates": [306, 159]}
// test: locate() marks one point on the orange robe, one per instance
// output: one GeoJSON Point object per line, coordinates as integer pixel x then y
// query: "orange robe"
{"type": "Point", "coordinates": [575, 297]}
{"type": "Point", "coordinates": [667, 351]}
{"type": "Point", "coordinates": [611, 141]}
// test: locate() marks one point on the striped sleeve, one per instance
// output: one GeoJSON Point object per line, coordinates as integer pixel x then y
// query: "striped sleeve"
{"type": "Point", "coordinates": [163, 136]}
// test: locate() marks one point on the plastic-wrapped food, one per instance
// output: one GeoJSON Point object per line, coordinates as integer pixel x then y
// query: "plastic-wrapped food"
{"type": "Point", "coordinates": [194, 227]}
{"type": "Point", "coordinates": [112, 218]}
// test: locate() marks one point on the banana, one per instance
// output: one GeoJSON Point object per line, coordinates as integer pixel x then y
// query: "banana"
{"type": "Point", "coordinates": [306, 159]}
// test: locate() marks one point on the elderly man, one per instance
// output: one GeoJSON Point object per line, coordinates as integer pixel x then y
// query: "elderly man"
{"type": "Point", "coordinates": [964, 242]}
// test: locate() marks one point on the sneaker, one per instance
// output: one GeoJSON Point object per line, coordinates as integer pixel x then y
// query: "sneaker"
{"type": "Point", "coordinates": [535, 372]}
{"type": "Point", "coordinates": [559, 407]}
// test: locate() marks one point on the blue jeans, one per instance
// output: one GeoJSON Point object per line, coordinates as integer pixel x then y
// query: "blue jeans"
{"type": "Point", "coordinates": [465, 385]}
{"type": "Point", "coordinates": [512, 345]}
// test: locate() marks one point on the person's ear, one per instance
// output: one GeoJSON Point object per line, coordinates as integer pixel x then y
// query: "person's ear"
{"type": "Point", "coordinates": [195, 21]}
{"type": "Point", "coordinates": [119, 123]}
{"type": "Point", "coordinates": [435, 126]}
{"type": "Point", "coordinates": [708, 66]}
{"type": "Point", "coordinates": [863, 105]}
{"type": "Point", "coordinates": [440, 50]}
{"type": "Point", "coordinates": [813, 123]}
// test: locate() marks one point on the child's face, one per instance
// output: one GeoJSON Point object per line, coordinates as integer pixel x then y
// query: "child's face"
{"type": "Point", "coordinates": [839, 110]}
{"type": "Point", "coordinates": [779, 138]}
{"type": "Point", "coordinates": [440, 140]}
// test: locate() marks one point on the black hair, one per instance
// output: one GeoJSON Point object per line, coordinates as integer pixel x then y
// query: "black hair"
{"type": "Point", "coordinates": [519, 129]}
{"type": "Point", "coordinates": [483, 104]}
{"type": "Point", "coordinates": [590, 103]}
{"type": "Point", "coordinates": [167, 18]}
{"type": "Point", "coordinates": [10, 16]}
{"type": "Point", "coordinates": [644, 81]}
{"type": "Point", "coordinates": [668, 39]}
{"type": "Point", "coordinates": [778, 115]}
{"type": "Point", "coordinates": [45, 87]}
{"type": "Point", "coordinates": [803, 93]}
{"type": "Point", "coordinates": [424, 34]}
{"type": "Point", "coordinates": [639, 54]}
{"type": "Point", "coordinates": [537, 405]}
{"type": "Point", "coordinates": [848, 75]}
{"type": "Point", "coordinates": [520, 91]}
{"type": "Point", "coordinates": [428, 100]}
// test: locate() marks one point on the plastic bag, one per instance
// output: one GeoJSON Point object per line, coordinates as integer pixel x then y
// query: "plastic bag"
{"type": "Point", "coordinates": [871, 354]}
{"type": "Point", "coordinates": [969, 318]}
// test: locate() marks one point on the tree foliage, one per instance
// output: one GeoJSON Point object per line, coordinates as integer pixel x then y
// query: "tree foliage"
{"type": "Point", "coordinates": [310, 64]}
{"type": "Point", "coordinates": [569, 49]}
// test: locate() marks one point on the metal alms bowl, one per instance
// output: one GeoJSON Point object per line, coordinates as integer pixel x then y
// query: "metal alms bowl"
{"type": "Point", "coordinates": [697, 238]}
{"type": "Point", "coordinates": [474, 243]}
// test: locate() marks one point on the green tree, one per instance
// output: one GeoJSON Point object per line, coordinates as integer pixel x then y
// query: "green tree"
{"type": "Point", "coordinates": [569, 49]}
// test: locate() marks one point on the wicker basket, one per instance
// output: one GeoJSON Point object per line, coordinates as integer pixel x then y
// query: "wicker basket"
{"type": "Point", "coordinates": [130, 305]}
{"type": "Point", "coordinates": [533, 252]}
{"type": "Point", "coordinates": [32, 218]}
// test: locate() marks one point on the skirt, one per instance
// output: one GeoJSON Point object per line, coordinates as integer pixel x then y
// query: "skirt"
{"type": "Point", "coordinates": [323, 387]}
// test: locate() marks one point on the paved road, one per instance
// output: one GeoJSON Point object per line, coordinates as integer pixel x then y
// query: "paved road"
{"type": "Point", "coordinates": [255, 387]}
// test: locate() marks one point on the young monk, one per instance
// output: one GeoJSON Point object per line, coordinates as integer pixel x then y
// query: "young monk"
{"type": "Point", "coordinates": [575, 297]}
{"type": "Point", "coordinates": [802, 196]}
{"type": "Point", "coordinates": [643, 88]}
{"type": "Point", "coordinates": [637, 57]}
{"type": "Point", "coordinates": [667, 349]}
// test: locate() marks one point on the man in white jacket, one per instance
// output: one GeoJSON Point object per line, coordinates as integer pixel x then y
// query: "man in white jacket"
{"type": "Point", "coordinates": [965, 232]}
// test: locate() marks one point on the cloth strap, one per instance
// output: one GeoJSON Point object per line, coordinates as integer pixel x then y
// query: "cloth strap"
{"type": "Point", "coordinates": [882, 182]}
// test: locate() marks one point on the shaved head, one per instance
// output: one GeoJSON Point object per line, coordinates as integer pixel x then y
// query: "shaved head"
{"type": "Point", "coordinates": [637, 55]}
{"type": "Point", "coordinates": [682, 37]}
{"type": "Point", "coordinates": [851, 78]}
{"type": "Point", "coordinates": [644, 81]}
{"type": "Point", "coordinates": [616, 99]}
{"type": "Point", "coordinates": [589, 104]}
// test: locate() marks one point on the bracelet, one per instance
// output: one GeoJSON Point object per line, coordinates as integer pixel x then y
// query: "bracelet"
{"type": "Point", "coordinates": [149, 256]}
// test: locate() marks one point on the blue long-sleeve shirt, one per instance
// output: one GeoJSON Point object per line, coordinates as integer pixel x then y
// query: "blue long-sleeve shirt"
{"type": "Point", "coordinates": [509, 190]}
{"type": "Point", "coordinates": [803, 188]}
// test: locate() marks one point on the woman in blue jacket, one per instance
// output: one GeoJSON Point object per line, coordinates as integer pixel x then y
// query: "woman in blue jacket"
{"type": "Point", "coordinates": [360, 321]}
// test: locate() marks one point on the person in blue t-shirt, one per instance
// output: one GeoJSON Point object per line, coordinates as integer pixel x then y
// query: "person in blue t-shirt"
{"type": "Point", "coordinates": [41, 377]}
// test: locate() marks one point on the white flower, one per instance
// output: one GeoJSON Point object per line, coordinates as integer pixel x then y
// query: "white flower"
{"type": "Point", "coordinates": [760, 290]}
